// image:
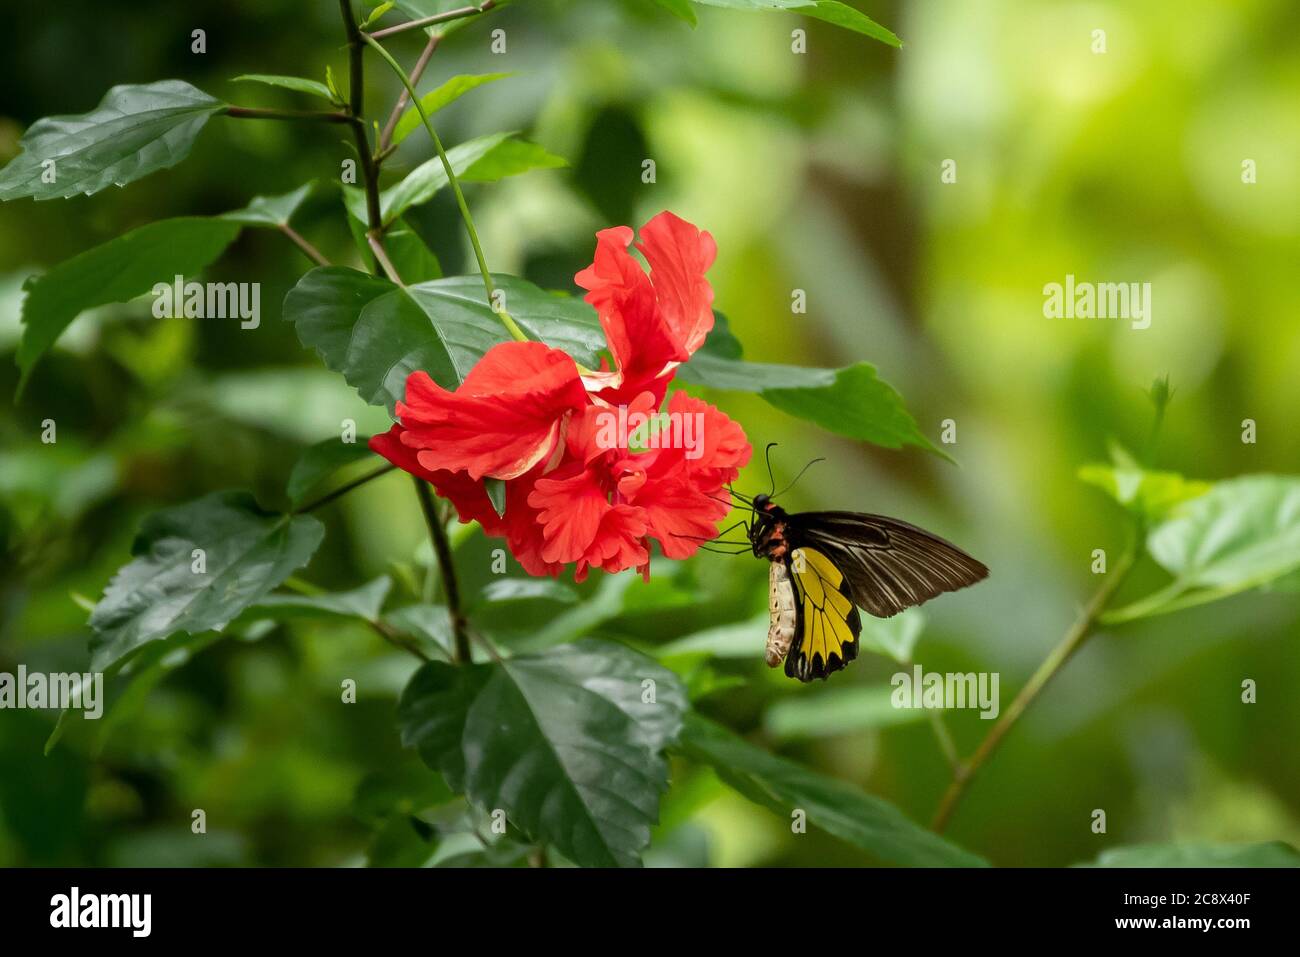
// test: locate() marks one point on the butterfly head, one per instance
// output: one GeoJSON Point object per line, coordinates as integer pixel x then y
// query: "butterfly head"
{"type": "Point", "coordinates": [767, 529]}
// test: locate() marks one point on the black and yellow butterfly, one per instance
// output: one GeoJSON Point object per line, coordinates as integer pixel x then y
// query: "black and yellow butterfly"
{"type": "Point", "coordinates": [826, 565]}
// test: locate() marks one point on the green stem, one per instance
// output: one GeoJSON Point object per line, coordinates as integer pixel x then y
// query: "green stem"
{"type": "Point", "coordinates": [940, 729]}
{"type": "Point", "coordinates": [944, 737]}
{"type": "Point", "coordinates": [356, 112]}
{"type": "Point", "coordinates": [386, 137]}
{"type": "Point", "coordinates": [298, 240]}
{"type": "Point", "coordinates": [436, 18]}
{"type": "Point", "coordinates": [257, 113]}
{"type": "Point", "coordinates": [343, 490]}
{"type": "Point", "coordinates": [511, 326]}
{"type": "Point", "coordinates": [1074, 638]}
{"type": "Point", "coordinates": [381, 257]}
{"type": "Point", "coordinates": [384, 630]}
{"type": "Point", "coordinates": [446, 568]}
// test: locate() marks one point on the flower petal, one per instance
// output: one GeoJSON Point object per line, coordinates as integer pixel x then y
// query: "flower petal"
{"type": "Point", "coordinates": [643, 345]}
{"type": "Point", "coordinates": [570, 510]}
{"type": "Point", "coordinates": [679, 255]}
{"type": "Point", "coordinates": [468, 496]}
{"type": "Point", "coordinates": [505, 417]}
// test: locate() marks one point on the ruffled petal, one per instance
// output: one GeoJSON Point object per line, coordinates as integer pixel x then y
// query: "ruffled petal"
{"type": "Point", "coordinates": [468, 496]}
{"type": "Point", "coordinates": [619, 543]}
{"type": "Point", "coordinates": [644, 347]}
{"type": "Point", "coordinates": [679, 515]}
{"type": "Point", "coordinates": [721, 448]}
{"type": "Point", "coordinates": [503, 420]}
{"type": "Point", "coordinates": [523, 530]}
{"type": "Point", "coordinates": [570, 510]}
{"type": "Point", "coordinates": [679, 255]}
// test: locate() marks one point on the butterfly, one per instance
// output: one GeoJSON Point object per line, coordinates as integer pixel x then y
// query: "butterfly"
{"type": "Point", "coordinates": [824, 566]}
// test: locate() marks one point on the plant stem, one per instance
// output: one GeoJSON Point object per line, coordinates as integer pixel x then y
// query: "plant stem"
{"type": "Point", "coordinates": [436, 18]}
{"type": "Point", "coordinates": [312, 252]}
{"type": "Point", "coordinates": [1073, 640]}
{"type": "Point", "coordinates": [488, 286]}
{"type": "Point", "coordinates": [356, 113]}
{"type": "Point", "coordinates": [386, 137]}
{"type": "Point", "coordinates": [944, 737]}
{"type": "Point", "coordinates": [446, 568]}
{"type": "Point", "coordinates": [257, 113]}
{"type": "Point", "coordinates": [393, 636]}
{"type": "Point", "coordinates": [381, 257]}
{"type": "Point", "coordinates": [343, 490]}
{"type": "Point", "coordinates": [384, 630]}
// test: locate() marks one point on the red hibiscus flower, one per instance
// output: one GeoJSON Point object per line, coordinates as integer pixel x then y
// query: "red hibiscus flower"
{"type": "Point", "coordinates": [593, 469]}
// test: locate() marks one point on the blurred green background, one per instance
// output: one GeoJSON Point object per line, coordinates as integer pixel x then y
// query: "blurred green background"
{"type": "Point", "coordinates": [818, 172]}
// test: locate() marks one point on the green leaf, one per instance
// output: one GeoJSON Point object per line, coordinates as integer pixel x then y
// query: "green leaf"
{"type": "Point", "coordinates": [435, 100]}
{"type": "Point", "coordinates": [1242, 534]}
{"type": "Point", "coordinates": [741, 639]}
{"type": "Point", "coordinates": [511, 158]}
{"type": "Point", "coordinates": [131, 689]}
{"type": "Point", "coordinates": [838, 808]}
{"type": "Point", "coordinates": [376, 334]}
{"type": "Point", "coordinates": [496, 491]}
{"type": "Point", "coordinates": [413, 260]}
{"type": "Point", "coordinates": [117, 271]}
{"type": "Point", "coordinates": [246, 553]}
{"type": "Point", "coordinates": [832, 11]}
{"type": "Point", "coordinates": [402, 841]}
{"type": "Point", "coordinates": [527, 589]}
{"type": "Point", "coordinates": [1270, 854]}
{"type": "Point", "coordinates": [297, 83]}
{"type": "Point", "coordinates": [377, 14]}
{"type": "Point", "coordinates": [893, 637]}
{"type": "Point", "coordinates": [484, 159]}
{"type": "Point", "coordinates": [721, 342]}
{"type": "Point", "coordinates": [321, 460]}
{"type": "Point", "coordinates": [836, 711]}
{"type": "Point", "coordinates": [331, 85]}
{"type": "Point", "coordinates": [135, 131]}
{"type": "Point", "coordinates": [850, 401]}
{"type": "Point", "coordinates": [615, 595]}
{"type": "Point", "coordinates": [1149, 495]}
{"type": "Point", "coordinates": [406, 789]}
{"type": "Point", "coordinates": [272, 211]}
{"type": "Point", "coordinates": [429, 624]}
{"type": "Point", "coordinates": [503, 853]}
{"type": "Point", "coordinates": [681, 9]}
{"type": "Point", "coordinates": [565, 742]}
{"type": "Point", "coordinates": [364, 602]}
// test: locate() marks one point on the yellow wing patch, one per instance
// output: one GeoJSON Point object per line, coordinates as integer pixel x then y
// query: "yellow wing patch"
{"type": "Point", "coordinates": [827, 635]}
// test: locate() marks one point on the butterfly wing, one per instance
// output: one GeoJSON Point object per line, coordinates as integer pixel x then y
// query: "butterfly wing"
{"type": "Point", "coordinates": [827, 624]}
{"type": "Point", "coordinates": [888, 565]}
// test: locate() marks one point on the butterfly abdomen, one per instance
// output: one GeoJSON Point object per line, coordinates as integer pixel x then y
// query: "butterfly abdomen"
{"type": "Point", "coordinates": [781, 608]}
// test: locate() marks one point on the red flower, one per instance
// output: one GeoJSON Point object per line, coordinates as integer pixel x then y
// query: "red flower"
{"type": "Point", "coordinates": [652, 323]}
{"type": "Point", "coordinates": [592, 469]}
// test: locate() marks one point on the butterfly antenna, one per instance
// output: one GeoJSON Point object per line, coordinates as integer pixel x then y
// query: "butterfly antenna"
{"type": "Point", "coordinates": [714, 538]}
{"type": "Point", "coordinates": [799, 476]}
{"type": "Point", "coordinates": [744, 499]}
{"type": "Point", "coordinates": [719, 551]}
{"type": "Point", "coordinates": [767, 456]}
